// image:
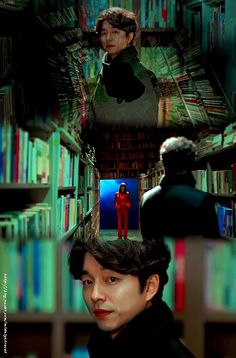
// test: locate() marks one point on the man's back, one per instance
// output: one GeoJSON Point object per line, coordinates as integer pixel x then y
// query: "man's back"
{"type": "Point", "coordinates": [178, 210]}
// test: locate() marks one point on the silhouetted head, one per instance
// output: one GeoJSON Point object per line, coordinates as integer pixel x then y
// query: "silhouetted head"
{"type": "Point", "coordinates": [178, 154]}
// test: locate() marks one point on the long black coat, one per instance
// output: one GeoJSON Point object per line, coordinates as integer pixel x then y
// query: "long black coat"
{"type": "Point", "coordinates": [151, 334]}
{"type": "Point", "coordinates": [175, 208]}
{"type": "Point", "coordinates": [127, 93]}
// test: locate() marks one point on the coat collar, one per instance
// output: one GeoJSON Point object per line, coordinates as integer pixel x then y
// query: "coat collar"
{"type": "Point", "coordinates": [129, 55]}
{"type": "Point", "coordinates": [156, 320]}
{"type": "Point", "coordinates": [178, 178]}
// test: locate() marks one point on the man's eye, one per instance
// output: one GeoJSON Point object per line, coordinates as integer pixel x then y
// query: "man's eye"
{"type": "Point", "coordinates": [112, 279]}
{"type": "Point", "coordinates": [86, 282]}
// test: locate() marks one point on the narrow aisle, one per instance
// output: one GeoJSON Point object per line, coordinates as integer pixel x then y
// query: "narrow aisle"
{"type": "Point", "coordinates": [112, 234]}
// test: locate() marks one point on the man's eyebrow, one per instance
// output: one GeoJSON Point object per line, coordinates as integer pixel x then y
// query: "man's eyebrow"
{"type": "Point", "coordinates": [84, 272]}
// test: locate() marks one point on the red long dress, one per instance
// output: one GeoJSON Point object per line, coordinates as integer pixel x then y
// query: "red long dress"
{"type": "Point", "coordinates": [122, 205]}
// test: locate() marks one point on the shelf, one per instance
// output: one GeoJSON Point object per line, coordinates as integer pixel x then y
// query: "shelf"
{"type": "Point", "coordinates": [221, 317]}
{"type": "Point", "coordinates": [216, 153]}
{"type": "Point", "coordinates": [69, 141]}
{"type": "Point", "coordinates": [8, 9]}
{"type": "Point", "coordinates": [214, 2]}
{"type": "Point", "coordinates": [30, 317]}
{"type": "Point", "coordinates": [15, 186]}
{"type": "Point", "coordinates": [156, 30]}
{"type": "Point", "coordinates": [76, 317]}
{"type": "Point", "coordinates": [193, 3]}
{"type": "Point", "coordinates": [225, 196]}
{"type": "Point", "coordinates": [67, 188]}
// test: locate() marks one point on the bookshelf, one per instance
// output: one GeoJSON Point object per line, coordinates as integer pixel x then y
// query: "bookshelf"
{"type": "Point", "coordinates": [217, 170]}
{"type": "Point", "coordinates": [215, 20]}
{"type": "Point", "coordinates": [126, 152]}
{"type": "Point", "coordinates": [40, 162]}
{"type": "Point", "coordinates": [62, 326]}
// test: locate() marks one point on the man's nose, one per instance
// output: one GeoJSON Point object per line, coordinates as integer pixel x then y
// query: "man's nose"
{"type": "Point", "coordinates": [98, 292]}
{"type": "Point", "coordinates": [109, 35]}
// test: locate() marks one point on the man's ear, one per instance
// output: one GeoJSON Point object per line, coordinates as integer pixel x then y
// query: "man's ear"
{"type": "Point", "coordinates": [130, 37]}
{"type": "Point", "coordinates": [152, 286]}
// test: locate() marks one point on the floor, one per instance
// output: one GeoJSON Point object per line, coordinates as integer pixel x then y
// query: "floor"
{"type": "Point", "coordinates": [112, 234]}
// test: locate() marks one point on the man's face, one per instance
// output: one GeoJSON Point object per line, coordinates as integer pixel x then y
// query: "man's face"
{"type": "Point", "coordinates": [113, 299]}
{"type": "Point", "coordinates": [114, 40]}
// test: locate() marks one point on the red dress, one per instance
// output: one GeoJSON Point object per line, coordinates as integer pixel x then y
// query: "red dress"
{"type": "Point", "coordinates": [122, 205]}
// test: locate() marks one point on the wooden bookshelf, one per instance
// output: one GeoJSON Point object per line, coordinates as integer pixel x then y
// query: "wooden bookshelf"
{"type": "Point", "coordinates": [215, 17]}
{"type": "Point", "coordinates": [126, 152]}
{"type": "Point", "coordinates": [56, 333]}
{"type": "Point", "coordinates": [32, 328]}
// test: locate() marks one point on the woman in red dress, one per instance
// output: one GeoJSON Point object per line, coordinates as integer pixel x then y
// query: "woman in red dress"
{"type": "Point", "coordinates": [122, 204]}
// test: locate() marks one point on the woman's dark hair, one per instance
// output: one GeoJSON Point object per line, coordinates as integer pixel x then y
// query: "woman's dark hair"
{"type": "Point", "coordinates": [118, 17]}
{"type": "Point", "coordinates": [137, 258]}
{"type": "Point", "coordinates": [124, 185]}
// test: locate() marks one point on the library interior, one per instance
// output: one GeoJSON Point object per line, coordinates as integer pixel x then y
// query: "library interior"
{"type": "Point", "coordinates": [60, 167]}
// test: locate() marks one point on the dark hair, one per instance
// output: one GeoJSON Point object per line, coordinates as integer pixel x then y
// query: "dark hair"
{"type": "Point", "coordinates": [118, 17]}
{"type": "Point", "coordinates": [137, 258]}
{"type": "Point", "coordinates": [178, 153]}
{"type": "Point", "coordinates": [123, 184]}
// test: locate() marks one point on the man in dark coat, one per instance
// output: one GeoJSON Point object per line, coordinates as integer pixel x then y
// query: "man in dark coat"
{"type": "Point", "coordinates": [175, 208]}
{"type": "Point", "coordinates": [123, 281]}
{"type": "Point", "coordinates": [127, 93]}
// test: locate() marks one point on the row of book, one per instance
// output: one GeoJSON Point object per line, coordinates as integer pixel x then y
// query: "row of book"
{"type": "Point", "coordinates": [32, 222]}
{"type": "Point", "coordinates": [30, 274]}
{"type": "Point", "coordinates": [119, 134]}
{"type": "Point", "coordinates": [89, 10]}
{"type": "Point", "coordinates": [36, 221]}
{"type": "Point", "coordinates": [15, 3]}
{"type": "Point", "coordinates": [67, 165]}
{"type": "Point", "coordinates": [6, 103]}
{"type": "Point", "coordinates": [6, 56]}
{"type": "Point", "coordinates": [137, 155]}
{"type": "Point", "coordinates": [65, 61]}
{"type": "Point", "coordinates": [115, 174]}
{"type": "Point", "coordinates": [216, 141]}
{"type": "Point", "coordinates": [220, 274]}
{"type": "Point", "coordinates": [149, 181]}
{"type": "Point", "coordinates": [216, 181]}
{"type": "Point", "coordinates": [159, 14]}
{"type": "Point", "coordinates": [226, 220]}
{"type": "Point", "coordinates": [153, 13]}
{"type": "Point", "coordinates": [66, 219]}
{"type": "Point", "coordinates": [216, 29]}
{"type": "Point", "coordinates": [171, 111]}
{"type": "Point", "coordinates": [22, 159]}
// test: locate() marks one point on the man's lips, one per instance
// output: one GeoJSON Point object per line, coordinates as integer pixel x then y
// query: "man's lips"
{"type": "Point", "coordinates": [101, 313]}
{"type": "Point", "coordinates": [109, 46]}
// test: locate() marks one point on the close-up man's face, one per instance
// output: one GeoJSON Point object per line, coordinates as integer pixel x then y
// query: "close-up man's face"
{"type": "Point", "coordinates": [114, 40]}
{"type": "Point", "coordinates": [113, 299]}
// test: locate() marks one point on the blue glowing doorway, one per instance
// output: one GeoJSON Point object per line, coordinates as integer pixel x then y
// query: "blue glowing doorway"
{"type": "Point", "coordinates": [108, 188]}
